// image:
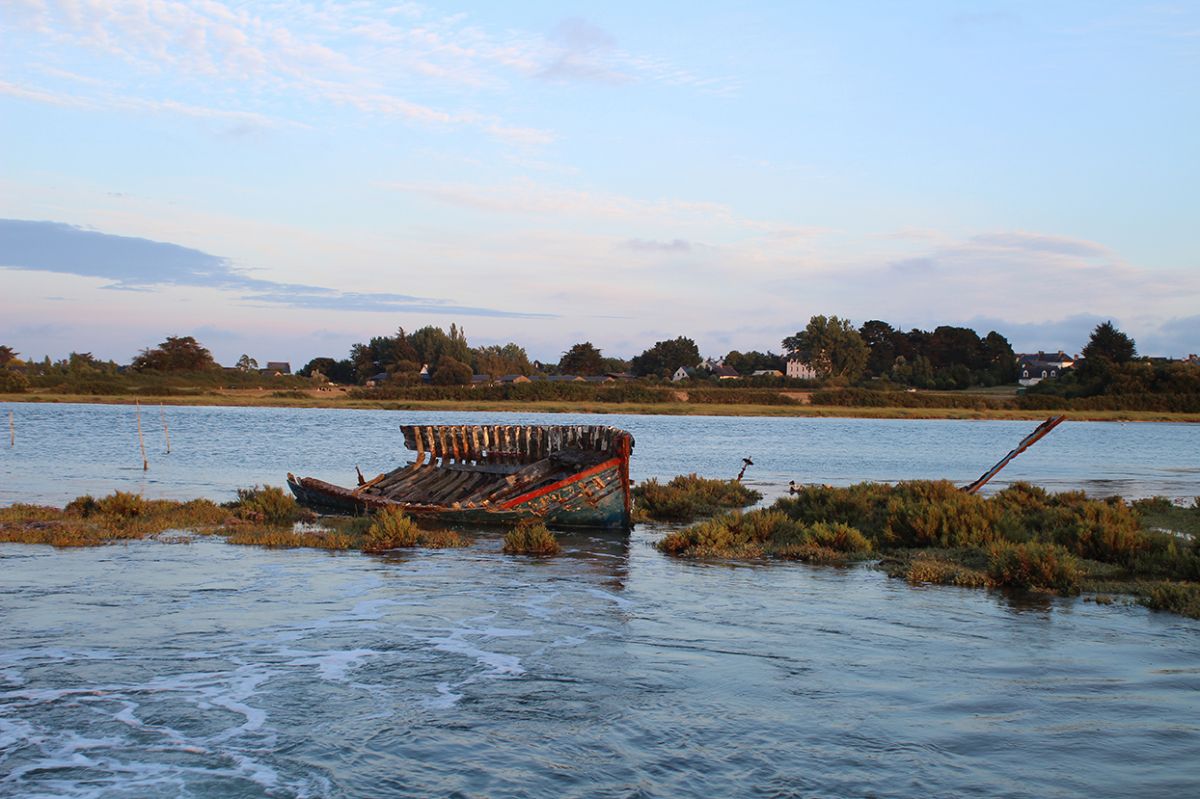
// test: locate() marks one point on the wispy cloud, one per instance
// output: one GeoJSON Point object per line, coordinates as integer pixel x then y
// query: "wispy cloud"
{"type": "Point", "coordinates": [531, 198]}
{"type": "Point", "coordinates": [378, 61]}
{"type": "Point", "coordinates": [646, 245]}
{"type": "Point", "coordinates": [136, 264]}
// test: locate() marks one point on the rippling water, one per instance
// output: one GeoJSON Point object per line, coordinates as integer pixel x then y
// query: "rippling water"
{"type": "Point", "coordinates": [208, 670]}
{"type": "Point", "coordinates": [66, 450]}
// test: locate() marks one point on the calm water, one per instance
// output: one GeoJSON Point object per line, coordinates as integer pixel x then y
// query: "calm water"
{"type": "Point", "coordinates": [207, 670]}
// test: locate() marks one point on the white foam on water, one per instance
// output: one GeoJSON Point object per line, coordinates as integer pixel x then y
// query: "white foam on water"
{"type": "Point", "coordinates": [333, 665]}
{"type": "Point", "coordinates": [496, 663]}
{"type": "Point", "coordinates": [12, 732]}
{"type": "Point", "coordinates": [445, 699]}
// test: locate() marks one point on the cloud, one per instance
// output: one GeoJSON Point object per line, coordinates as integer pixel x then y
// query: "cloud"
{"type": "Point", "coordinates": [1038, 243]}
{"type": "Point", "coordinates": [136, 264]}
{"type": "Point", "coordinates": [583, 52]}
{"type": "Point", "coordinates": [301, 56]}
{"type": "Point", "coordinates": [1175, 337]}
{"type": "Point", "coordinates": [645, 245]}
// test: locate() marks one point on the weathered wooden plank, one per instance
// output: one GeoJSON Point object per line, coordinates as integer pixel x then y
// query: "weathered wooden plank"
{"type": "Point", "coordinates": [450, 490]}
{"type": "Point", "coordinates": [476, 444]}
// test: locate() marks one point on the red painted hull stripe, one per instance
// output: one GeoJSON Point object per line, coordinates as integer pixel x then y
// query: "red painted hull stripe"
{"type": "Point", "coordinates": [575, 478]}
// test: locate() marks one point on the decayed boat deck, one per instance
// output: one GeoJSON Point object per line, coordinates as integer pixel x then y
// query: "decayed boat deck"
{"type": "Point", "coordinates": [493, 467]}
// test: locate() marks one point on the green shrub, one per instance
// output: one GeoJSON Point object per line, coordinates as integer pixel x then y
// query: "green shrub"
{"type": "Point", "coordinates": [1035, 566]}
{"type": "Point", "coordinates": [122, 505]}
{"type": "Point", "coordinates": [863, 505]}
{"type": "Point", "coordinates": [935, 570]}
{"type": "Point", "coordinates": [390, 528]}
{"type": "Point", "coordinates": [937, 513]}
{"type": "Point", "coordinates": [1107, 531]}
{"type": "Point", "coordinates": [1181, 598]}
{"type": "Point", "coordinates": [266, 505]}
{"type": "Point", "coordinates": [84, 506]}
{"type": "Point", "coordinates": [689, 497]}
{"type": "Point", "coordinates": [531, 537]}
{"type": "Point", "coordinates": [12, 381]}
{"type": "Point", "coordinates": [765, 533]}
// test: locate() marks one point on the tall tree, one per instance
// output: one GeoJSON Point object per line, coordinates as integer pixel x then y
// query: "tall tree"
{"type": "Point", "coordinates": [1002, 361]}
{"type": "Point", "coordinates": [496, 360]}
{"type": "Point", "coordinates": [581, 359]}
{"type": "Point", "coordinates": [336, 371]}
{"type": "Point", "coordinates": [956, 346]}
{"type": "Point", "coordinates": [746, 363]}
{"type": "Point", "coordinates": [1109, 344]}
{"type": "Point", "coordinates": [7, 354]}
{"type": "Point", "coordinates": [831, 346]}
{"type": "Point", "coordinates": [431, 344]}
{"type": "Point", "coordinates": [176, 354]}
{"type": "Point", "coordinates": [246, 363]}
{"type": "Point", "coordinates": [879, 337]}
{"type": "Point", "coordinates": [451, 372]}
{"type": "Point", "coordinates": [665, 357]}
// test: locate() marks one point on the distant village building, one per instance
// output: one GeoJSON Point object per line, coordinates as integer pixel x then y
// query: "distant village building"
{"type": "Point", "coordinates": [1034, 368]}
{"type": "Point", "coordinates": [682, 373]}
{"type": "Point", "coordinates": [800, 370]}
{"type": "Point", "coordinates": [509, 380]}
{"type": "Point", "coordinates": [481, 380]}
{"type": "Point", "coordinates": [766, 373]}
{"type": "Point", "coordinates": [565, 379]}
{"type": "Point", "coordinates": [276, 368]}
{"type": "Point", "coordinates": [723, 372]}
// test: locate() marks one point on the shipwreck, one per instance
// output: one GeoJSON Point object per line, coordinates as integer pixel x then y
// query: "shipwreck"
{"type": "Point", "coordinates": [563, 475]}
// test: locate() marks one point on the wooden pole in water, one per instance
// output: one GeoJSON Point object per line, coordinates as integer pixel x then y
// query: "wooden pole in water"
{"type": "Point", "coordinates": [12, 431]}
{"type": "Point", "coordinates": [166, 432]}
{"type": "Point", "coordinates": [141, 441]}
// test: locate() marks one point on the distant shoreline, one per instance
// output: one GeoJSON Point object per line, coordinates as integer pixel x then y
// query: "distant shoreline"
{"type": "Point", "coordinates": [254, 400]}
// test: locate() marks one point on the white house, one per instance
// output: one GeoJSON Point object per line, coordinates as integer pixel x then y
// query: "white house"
{"type": "Point", "coordinates": [800, 370]}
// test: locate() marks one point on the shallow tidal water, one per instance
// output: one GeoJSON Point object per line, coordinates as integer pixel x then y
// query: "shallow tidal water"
{"type": "Point", "coordinates": [207, 670]}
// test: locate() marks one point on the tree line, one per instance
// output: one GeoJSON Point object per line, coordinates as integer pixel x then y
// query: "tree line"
{"type": "Point", "coordinates": [874, 354]}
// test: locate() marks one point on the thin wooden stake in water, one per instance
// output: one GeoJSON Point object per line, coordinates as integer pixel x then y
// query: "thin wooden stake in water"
{"type": "Point", "coordinates": [166, 432]}
{"type": "Point", "coordinates": [12, 431]}
{"type": "Point", "coordinates": [141, 441]}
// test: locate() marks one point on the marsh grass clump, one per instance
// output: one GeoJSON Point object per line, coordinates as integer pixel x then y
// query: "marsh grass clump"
{"type": "Point", "coordinates": [931, 532]}
{"type": "Point", "coordinates": [937, 514]}
{"type": "Point", "coordinates": [940, 567]}
{"type": "Point", "coordinates": [863, 506]}
{"type": "Point", "coordinates": [1160, 513]}
{"type": "Point", "coordinates": [1181, 598]}
{"type": "Point", "coordinates": [267, 505]}
{"type": "Point", "coordinates": [531, 537]}
{"type": "Point", "coordinates": [87, 521]}
{"type": "Point", "coordinates": [120, 505]}
{"type": "Point", "coordinates": [766, 533]}
{"type": "Point", "coordinates": [1034, 566]}
{"type": "Point", "coordinates": [688, 497]}
{"type": "Point", "coordinates": [391, 528]}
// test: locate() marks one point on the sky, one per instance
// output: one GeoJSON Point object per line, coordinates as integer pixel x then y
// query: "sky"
{"type": "Point", "coordinates": [284, 179]}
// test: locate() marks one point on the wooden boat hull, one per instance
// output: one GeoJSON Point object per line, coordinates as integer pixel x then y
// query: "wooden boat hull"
{"type": "Point", "coordinates": [563, 476]}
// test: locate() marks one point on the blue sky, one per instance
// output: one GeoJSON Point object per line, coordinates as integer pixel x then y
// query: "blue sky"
{"type": "Point", "coordinates": [286, 179]}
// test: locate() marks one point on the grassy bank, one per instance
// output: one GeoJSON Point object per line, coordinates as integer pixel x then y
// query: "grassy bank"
{"type": "Point", "coordinates": [265, 516]}
{"type": "Point", "coordinates": [931, 532]}
{"type": "Point", "coordinates": [315, 399]}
